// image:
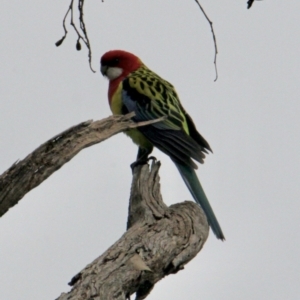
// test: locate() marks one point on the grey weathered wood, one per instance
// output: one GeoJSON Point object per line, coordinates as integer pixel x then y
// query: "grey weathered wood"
{"type": "Point", "coordinates": [28, 173]}
{"type": "Point", "coordinates": [159, 241]}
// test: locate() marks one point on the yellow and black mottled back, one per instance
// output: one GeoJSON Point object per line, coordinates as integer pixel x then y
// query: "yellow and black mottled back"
{"type": "Point", "coordinates": [157, 97]}
{"type": "Point", "coordinates": [152, 97]}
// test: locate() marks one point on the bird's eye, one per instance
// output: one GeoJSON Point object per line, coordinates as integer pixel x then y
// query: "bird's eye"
{"type": "Point", "coordinates": [114, 62]}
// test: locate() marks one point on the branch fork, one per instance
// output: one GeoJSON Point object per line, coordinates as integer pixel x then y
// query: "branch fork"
{"type": "Point", "coordinates": [159, 240]}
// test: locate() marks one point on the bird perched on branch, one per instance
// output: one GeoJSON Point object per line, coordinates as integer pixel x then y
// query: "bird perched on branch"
{"type": "Point", "coordinates": [135, 88]}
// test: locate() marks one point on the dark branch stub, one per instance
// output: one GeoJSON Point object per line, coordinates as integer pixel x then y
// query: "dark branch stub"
{"type": "Point", "coordinates": [250, 2]}
{"type": "Point", "coordinates": [213, 35]}
{"type": "Point", "coordinates": [81, 35]}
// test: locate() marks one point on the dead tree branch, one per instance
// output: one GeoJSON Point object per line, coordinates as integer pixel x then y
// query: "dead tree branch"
{"type": "Point", "coordinates": [28, 173]}
{"type": "Point", "coordinates": [213, 35]}
{"type": "Point", "coordinates": [160, 240]}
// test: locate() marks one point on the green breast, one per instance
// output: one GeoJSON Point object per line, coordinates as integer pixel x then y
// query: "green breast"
{"type": "Point", "coordinates": [138, 138]}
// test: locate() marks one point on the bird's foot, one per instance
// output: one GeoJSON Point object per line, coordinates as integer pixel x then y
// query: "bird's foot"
{"type": "Point", "coordinates": [142, 161]}
{"type": "Point", "coordinates": [152, 158]}
{"type": "Point", "coordinates": [138, 163]}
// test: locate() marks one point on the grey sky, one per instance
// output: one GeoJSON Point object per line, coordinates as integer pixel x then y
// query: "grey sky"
{"type": "Point", "coordinates": [250, 117]}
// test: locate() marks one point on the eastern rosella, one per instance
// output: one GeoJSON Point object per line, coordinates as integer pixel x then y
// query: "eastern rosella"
{"type": "Point", "coordinates": [133, 87]}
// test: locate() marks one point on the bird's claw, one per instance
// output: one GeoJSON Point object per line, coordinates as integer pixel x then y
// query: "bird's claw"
{"type": "Point", "coordinates": [152, 158]}
{"type": "Point", "coordinates": [138, 163]}
{"type": "Point", "coordinates": [142, 161]}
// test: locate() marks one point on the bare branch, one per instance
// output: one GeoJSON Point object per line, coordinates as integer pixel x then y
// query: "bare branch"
{"type": "Point", "coordinates": [83, 37]}
{"type": "Point", "coordinates": [213, 35]}
{"type": "Point", "coordinates": [160, 241]}
{"type": "Point", "coordinates": [82, 26]}
{"type": "Point", "coordinates": [28, 173]}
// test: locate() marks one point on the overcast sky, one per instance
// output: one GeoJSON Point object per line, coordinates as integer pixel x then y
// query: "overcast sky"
{"type": "Point", "coordinates": [250, 117]}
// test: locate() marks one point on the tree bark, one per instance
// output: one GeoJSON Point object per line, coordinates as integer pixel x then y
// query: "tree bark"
{"type": "Point", "coordinates": [28, 173]}
{"type": "Point", "coordinates": [159, 241]}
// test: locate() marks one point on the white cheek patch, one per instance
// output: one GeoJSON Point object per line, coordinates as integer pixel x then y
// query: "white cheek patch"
{"type": "Point", "coordinates": [113, 72]}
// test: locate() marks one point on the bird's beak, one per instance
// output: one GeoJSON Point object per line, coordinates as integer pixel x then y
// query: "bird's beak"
{"type": "Point", "coordinates": [103, 70]}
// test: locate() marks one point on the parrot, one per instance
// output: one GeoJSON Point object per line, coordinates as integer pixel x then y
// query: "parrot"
{"type": "Point", "coordinates": [133, 87]}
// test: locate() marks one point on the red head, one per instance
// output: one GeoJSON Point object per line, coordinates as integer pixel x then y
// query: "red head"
{"type": "Point", "coordinates": [117, 64]}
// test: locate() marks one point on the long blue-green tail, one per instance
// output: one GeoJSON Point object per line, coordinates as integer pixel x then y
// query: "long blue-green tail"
{"type": "Point", "coordinates": [192, 182]}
